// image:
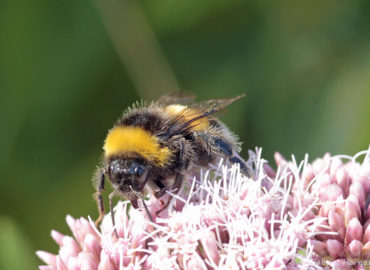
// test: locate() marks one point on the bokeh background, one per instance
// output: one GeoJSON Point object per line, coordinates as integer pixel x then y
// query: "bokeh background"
{"type": "Point", "coordinates": [69, 68]}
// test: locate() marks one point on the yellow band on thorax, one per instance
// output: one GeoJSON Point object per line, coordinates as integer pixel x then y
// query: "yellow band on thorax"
{"type": "Point", "coordinates": [122, 140]}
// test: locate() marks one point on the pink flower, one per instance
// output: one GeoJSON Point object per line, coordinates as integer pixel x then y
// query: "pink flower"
{"type": "Point", "coordinates": [303, 216]}
{"type": "Point", "coordinates": [343, 193]}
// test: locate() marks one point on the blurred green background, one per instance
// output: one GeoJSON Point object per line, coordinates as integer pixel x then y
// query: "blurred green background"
{"type": "Point", "coordinates": [69, 68]}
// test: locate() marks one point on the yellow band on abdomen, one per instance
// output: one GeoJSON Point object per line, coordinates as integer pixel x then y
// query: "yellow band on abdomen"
{"type": "Point", "coordinates": [186, 114]}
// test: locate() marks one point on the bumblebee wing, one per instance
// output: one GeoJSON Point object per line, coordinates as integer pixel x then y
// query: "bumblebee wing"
{"type": "Point", "coordinates": [180, 97]}
{"type": "Point", "coordinates": [213, 106]}
{"type": "Point", "coordinates": [189, 118]}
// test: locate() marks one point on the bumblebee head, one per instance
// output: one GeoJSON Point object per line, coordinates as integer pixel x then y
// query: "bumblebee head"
{"type": "Point", "coordinates": [129, 176]}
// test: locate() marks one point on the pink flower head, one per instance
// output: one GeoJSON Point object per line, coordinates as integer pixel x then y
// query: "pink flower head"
{"type": "Point", "coordinates": [341, 187]}
{"type": "Point", "coordinates": [301, 216]}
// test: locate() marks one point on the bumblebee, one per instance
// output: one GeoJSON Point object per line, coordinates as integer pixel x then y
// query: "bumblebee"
{"type": "Point", "coordinates": [166, 138]}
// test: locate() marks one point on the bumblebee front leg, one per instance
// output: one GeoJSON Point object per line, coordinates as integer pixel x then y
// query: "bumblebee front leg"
{"type": "Point", "coordinates": [179, 177]}
{"type": "Point", "coordinates": [100, 187]}
{"type": "Point", "coordinates": [112, 211]}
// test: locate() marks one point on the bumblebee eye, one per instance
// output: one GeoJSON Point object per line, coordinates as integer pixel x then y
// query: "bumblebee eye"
{"type": "Point", "coordinates": [137, 168]}
{"type": "Point", "coordinates": [116, 171]}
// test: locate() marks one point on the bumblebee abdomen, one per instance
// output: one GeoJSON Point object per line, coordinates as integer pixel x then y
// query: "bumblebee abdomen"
{"type": "Point", "coordinates": [186, 114]}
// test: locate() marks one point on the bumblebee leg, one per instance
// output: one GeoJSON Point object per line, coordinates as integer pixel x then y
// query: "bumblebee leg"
{"type": "Point", "coordinates": [162, 188]}
{"type": "Point", "coordinates": [100, 186]}
{"type": "Point", "coordinates": [232, 156]}
{"type": "Point", "coordinates": [223, 146]}
{"type": "Point", "coordinates": [179, 177]}
{"type": "Point", "coordinates": [112, 212]}
{"type": "Point", "coordinates": [175, 188]}
{"type": "Point", "coordinates": [236, 159]}
{"type": "Point", "coordinates": [147, 211]}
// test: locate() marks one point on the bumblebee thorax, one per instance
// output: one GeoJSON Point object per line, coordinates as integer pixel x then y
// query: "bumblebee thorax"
{"type": "Point", "coordinates": [123, 140]}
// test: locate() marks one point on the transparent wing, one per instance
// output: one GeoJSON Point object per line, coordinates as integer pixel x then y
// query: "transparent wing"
{"type": "Point", "coordinates": [189, 117]}
{"type": "Point", "coordinates": [181, 97]}
{"type": "Point", "coordinates": [213, 106]}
